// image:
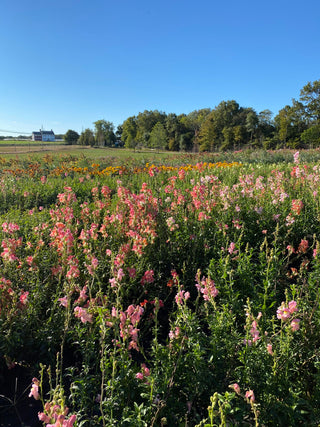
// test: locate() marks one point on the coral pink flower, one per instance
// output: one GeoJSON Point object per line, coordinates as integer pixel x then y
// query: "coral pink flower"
{"type": "Point", "coordinates": [269, 349]}
{"type": "Point", "coordinates": [295, 324]}
{"type": "Point", "coordinates": [147, 277]}
{"type": "Point", "coordinates": [236, 388]}
{"type": "Point", "coordinates": [145, 372]}
{"type": "Point", "coordinates": [182, 296]}
{"type": "Point", "coordinates": [139, 376]}
{"type": "Point", "coordinates": [283, 312]}
{"type": "Point", "coordinates": [43, 417]}
{"type": "Point", "coordinates": [175, 334]}
{"type": "Point", "coordinates": [250, 395]}
{"type": "Point", "coordinates": [132, 272]}
{"type": "Point", "coordinates": [24, 298]}
{"type": "Point", "coordinates": [34, 392]}
{"type": "Point", "coordinates": [63, 301]}
{"type": "Point", "coordinates": [83, 314]}
{"type": "Point", "coordinates": [206, 286]}
{"type": "Point", "coordinates": [296, 206]}
{"type": "Point", "coordinates": [303, 246]}
{"type": "Point", "coordinates": [292, 306]}
{"type": "Point", "coordinates": [231, 248]}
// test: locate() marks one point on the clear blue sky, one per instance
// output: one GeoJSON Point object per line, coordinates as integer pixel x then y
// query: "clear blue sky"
{"type": "Point", "coordinates": [67, 63]}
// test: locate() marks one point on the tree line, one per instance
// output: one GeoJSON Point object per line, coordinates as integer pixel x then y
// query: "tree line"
{"type": "Point", "coordinates": [227, 126]}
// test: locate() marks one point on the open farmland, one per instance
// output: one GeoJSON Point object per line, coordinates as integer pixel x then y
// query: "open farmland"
{"type": "Point", "coordinates": [148, 289]}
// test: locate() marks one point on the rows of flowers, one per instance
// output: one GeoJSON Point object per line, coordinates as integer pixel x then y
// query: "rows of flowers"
{"type": "Point", "coordinates": [183, 295]}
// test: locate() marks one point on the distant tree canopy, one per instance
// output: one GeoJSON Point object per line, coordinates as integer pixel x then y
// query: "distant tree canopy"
{"type": "Point", "coordinates": [71, 137]}
{"type": "Point", "coordinates": [158, 137]}
{"type": "Point", "coordinates": [87, 138]}
{"type": "Point", "coordinates": [104, 133]}
{"type": "Point", "coordinates": [228, 126]}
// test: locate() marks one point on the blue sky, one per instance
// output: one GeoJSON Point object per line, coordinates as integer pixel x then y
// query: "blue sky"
{"type": "Point", "coordinates": [67, 63]}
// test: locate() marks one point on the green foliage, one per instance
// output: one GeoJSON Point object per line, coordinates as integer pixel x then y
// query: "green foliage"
{"type": "Point", "coordinates": [311, 136]}
{"type": "Point", "coordinates": [158, 137]}
{"type": "Point", "coordinates": [87, 138]}
{"type": "Point", "coordinates": [71, 137]}
{"type": "Point", "coordinates": [310, 96]}
{"type": "Point", "coordinates": [104, 133]}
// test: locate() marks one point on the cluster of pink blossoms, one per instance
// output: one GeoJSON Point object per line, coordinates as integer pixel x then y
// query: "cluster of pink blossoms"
{"type": "Point", "coordinates": [83, 314]}
{"type": "Point", "coordinates": [254, 332]}
{"type": "Point", "coordinates": [249, 395]}
{"type": "Point", "coordinates": [10, 228]}
{"type": "Point", "coordinates": [296, 206]}
{"type": "Point", "coordinates": [285, 313]}
{"type": "Point", "coordinates": [8, 296]}
{"type": "Point", "coordinates": [9, 249]}
{"type": "Point", "coordinates": [54, 415]}
{"type": "Point", "coordinates": [79, 312]}
{"type": "Point", "coordinates": [128, 324]}
{"type": "Point", "coordinates": [147, 277]}
{"type": "Point", "coordinates": [145, 372]}
{"type": "Point", "coordinates": [174, 334]}
{"type": "Point", "coordinates": [182, 296]}
{"type": "Point", "coordinates": [206, 286]}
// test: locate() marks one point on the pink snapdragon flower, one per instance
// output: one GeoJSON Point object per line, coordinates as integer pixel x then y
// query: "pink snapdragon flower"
{"type": "Point", "coordinates": [34, 392]}
{"type": "Point", "coordinates": [147, 277]}
{"type": "Point", "coordinates": [63, 301]}
{"type": "Point", "coordinates": [295, 324]}
{"type": "Point", "coordinates": [296, 206]}
{"type": "Point", "coordinates": [145, 372]}
{"type": "Point", "coordinates": [250, 396]}
{"type": "Point", "coordinates": [83, 314]}
{"type": "Point", "coordinates": [182, 296]}
{"type": "Point", "coordinates": [206, 286]}
{"type": "Point", "coordinates": [283, 312]}
{"type": "Point", "coordinates": [174, 334]}
{"type": "Point", "coordinates": [269, 349]}
{"type": "Point", "coordinates": [231, 248]}
{"type": "Point", "coordinates": [235, 387]}
{"type": "Point", "coordinates": [292, 306]}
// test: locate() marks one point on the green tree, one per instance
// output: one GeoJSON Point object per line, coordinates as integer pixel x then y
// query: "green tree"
{"type": "Point", "coordinates": [217, 130]}
{"type": "Point", "coordinates": [129, 132]}
{"type": "Point", "coordinates": [186, 141]}
{"type": "Point", "coordinates": [118, 134]}
{"type": "Point", "coordinates": [210, 134]}
{"type": "Point", "coordinates": [311, 136]}
{"type": "Point", "coordinates": [265, 125]}
{"type": "Point", "coordinates": [104, 133]}
{"type": "Point", "coordinates": [71, 137]}
{"type": "Point", "coordinates": [290, 123]}
{"type": "Point", "coordinates": [310, 98]}
{"type": "Point", "coordinates": [173, 129]}
{"type": "Point", "coordinates": [158, 137]}
{"type": "Point", "coordinates": [193, 122]}
{"type": "Point", "coordinates": [239, 134]}
{"type": "Point", "coordinates": [252, 124]}
{"type": "Point", "coordinates": [145, 122]}
{"type": "Point", "coordinates": [228, 136]}
{"type": "Point", "coordinates": [87, 138]}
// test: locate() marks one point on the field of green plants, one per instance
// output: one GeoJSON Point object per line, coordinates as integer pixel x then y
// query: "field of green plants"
{"type": "Point", "coordinates": [165, 291]}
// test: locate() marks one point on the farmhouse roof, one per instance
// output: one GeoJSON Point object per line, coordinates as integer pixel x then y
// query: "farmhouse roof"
{"type": "Point", "coordinates": [47, 132]}
{"type": "Point", "coordinates": [43, 132]}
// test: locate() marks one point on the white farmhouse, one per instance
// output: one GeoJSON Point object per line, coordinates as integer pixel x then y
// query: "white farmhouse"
{"type": "Point", "coordinates": [43, 135]}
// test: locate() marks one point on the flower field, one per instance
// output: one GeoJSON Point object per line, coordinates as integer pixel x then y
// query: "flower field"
{"type": "Point", "coordinates": [184, 293]}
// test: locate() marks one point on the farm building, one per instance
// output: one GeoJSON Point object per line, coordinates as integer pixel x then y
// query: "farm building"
{"type": "Point", "coordinates": [43, 135]}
